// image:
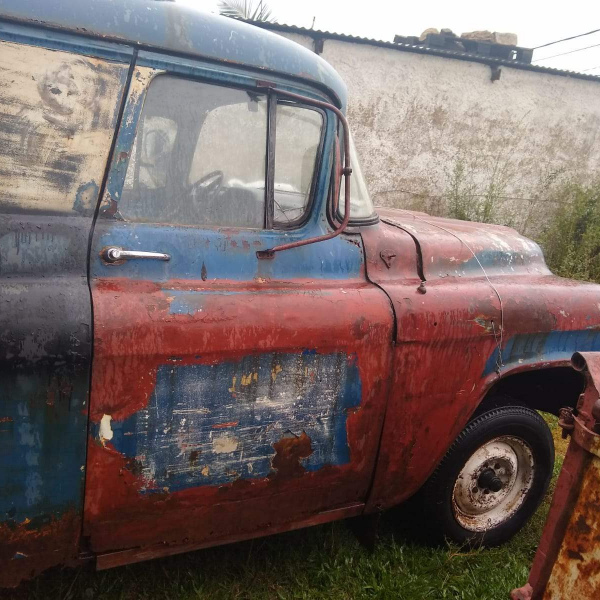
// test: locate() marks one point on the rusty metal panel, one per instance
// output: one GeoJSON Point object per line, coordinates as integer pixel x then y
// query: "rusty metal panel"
{"type": "Point", "coordinates": [481, 304]}
{"type": "Point", "coordinates": [213, 401]}
{"type": "Point", "coordinates": [576, 573]}
{"type": "Point", "coordinates": [57, 116]}
{"type": "Point", "coordinates": [567, 562]}
{"type": "Point", "coordinates": [453, 248]}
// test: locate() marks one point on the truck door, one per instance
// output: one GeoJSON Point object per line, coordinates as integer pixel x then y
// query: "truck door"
{"type": "Point", "coordinates": [231, 396]}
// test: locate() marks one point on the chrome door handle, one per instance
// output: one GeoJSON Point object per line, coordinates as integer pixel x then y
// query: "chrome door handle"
{"type": "Point", "coordinates": [114, 254]}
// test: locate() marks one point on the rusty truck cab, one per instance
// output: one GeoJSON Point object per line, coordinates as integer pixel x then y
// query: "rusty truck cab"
{"type": "Point", "coordinates": [149, 357]}
{"type": "Point", "coordinates": [208, 334]}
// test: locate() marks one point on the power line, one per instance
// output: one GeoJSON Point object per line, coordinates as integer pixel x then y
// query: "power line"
{"type": "Point", "coordinates": [591, 69]}
{"type": "Point", "coordinates": [564, 53]}
{"type": "Point", "coordinates": [573, 37]}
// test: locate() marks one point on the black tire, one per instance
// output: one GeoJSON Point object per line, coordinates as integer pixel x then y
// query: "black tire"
{"type": "Point", "coordinates": [447, 492]}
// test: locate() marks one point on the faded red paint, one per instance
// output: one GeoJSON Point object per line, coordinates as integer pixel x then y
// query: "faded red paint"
{"type": "Point", "coordinates": [225, 425]}
{"type": "Point", "coordinates": [448, 331]}
{"type": "Point", "coordinates": [135, 333]}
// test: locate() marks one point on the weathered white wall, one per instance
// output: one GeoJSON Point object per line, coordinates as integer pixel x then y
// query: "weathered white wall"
{"type": "Point", "coordinates": [430, 128]}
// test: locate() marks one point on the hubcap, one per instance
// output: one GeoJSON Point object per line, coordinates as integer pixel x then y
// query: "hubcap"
{"type": "Point", "coordinates": [493, 483]}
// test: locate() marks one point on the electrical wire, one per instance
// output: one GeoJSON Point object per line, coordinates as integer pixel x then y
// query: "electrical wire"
{"type": "Point", "coordinates": [564, 53]}
{"type": "Point", "coordinates": [421, 194]}
{"type": "Point", "coordinates": [591, 69]}
{"type": "Point", "coordinates": [573, 37]}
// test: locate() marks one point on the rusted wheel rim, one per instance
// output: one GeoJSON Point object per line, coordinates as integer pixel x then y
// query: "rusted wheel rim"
{"type": "Point", "coordinates": [493, 483]}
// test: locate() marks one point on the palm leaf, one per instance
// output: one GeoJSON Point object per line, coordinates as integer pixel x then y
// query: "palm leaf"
{"type": "Point", "coordinates": [244, 9]}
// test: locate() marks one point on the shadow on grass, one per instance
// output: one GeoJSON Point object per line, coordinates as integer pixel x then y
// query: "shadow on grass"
{"type": "Point", "coordinates": [320, 562]}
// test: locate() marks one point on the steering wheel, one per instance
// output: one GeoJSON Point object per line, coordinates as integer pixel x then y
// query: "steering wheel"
{"type": "Point", "coordinates": [208, 184]}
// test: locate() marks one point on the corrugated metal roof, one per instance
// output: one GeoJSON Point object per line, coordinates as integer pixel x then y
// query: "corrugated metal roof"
{"type": "Point", "coordinates": [319, 34]}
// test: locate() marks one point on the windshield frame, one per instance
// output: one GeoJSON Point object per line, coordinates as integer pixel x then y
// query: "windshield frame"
{"type": "Point", "coordinates": [334, 211]}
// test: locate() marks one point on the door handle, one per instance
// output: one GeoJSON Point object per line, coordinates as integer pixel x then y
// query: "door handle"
{"type": "Point", "coordinates": [114, 255]}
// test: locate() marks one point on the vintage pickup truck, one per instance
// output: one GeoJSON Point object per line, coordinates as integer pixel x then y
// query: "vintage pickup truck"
{"type": "Point", "coordinates": [208, 334]}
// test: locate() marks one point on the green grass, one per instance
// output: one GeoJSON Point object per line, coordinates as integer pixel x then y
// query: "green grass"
{"type": "Point", "coordinates": [321, 562]}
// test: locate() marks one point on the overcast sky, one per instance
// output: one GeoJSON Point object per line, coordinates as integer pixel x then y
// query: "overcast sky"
{"type": "Point", "coordinates": [535, 22]}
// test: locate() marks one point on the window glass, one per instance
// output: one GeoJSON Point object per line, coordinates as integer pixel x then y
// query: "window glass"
{"type": "Point", "coordinates": [298, 136]}
{"type": "Point", "coordinates": [199, 157]}
{"type": "Point", "coordinates": [361, 206]}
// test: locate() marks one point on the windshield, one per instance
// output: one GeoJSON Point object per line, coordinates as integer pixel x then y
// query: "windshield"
{"type": "Point", "coordinates": [361, 206]}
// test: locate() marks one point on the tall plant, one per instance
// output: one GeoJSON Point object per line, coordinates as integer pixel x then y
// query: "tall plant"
{"type": "Point", "coordinates": [571, 241]}
{"type": "Point", "coordinates": [247, 10]}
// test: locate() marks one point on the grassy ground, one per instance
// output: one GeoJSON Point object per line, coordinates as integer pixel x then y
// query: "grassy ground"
{"type": "Point", "coordinates": [321, 562]}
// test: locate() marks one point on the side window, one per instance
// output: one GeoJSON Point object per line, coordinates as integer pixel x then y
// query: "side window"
{"type": "Point", "coordinates": [57, 116]}
{"type": "Point", "coordinates": [297, 142]}
{"type": "Point", "coordinates": [200, 152]}
{"type": "Point", "coordinates": [199, 157]}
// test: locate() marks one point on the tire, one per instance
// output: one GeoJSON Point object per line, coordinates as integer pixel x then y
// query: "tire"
{"type": "Point", "coordinates": [492, 479]}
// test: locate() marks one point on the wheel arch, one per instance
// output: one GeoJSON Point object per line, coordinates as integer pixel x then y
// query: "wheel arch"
{"type": "Point", "coordinates": [545, 389]}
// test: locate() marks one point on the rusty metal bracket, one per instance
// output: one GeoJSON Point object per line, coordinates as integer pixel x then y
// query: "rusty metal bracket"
{"type": "Point", "coordinates": [566, 421]}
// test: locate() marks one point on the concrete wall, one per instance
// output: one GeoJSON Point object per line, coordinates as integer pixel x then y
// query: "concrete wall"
{"type": "Point", "coordinates": [434, 131]}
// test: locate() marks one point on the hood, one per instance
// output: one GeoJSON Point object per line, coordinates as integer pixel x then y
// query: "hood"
{"type": "Point", "coordinates": [450, 247]}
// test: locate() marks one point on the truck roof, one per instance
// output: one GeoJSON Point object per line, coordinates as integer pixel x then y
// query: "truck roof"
{"type": "Point", "coordinates": [179, 29]}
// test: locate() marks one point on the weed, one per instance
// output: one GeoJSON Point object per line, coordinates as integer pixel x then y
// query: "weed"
{"type": "Point", "coordinates": [571, 240]}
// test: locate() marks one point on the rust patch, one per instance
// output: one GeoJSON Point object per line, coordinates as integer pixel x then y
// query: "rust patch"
{"type": "Point", "coordinates": [59, 388]}
{"type": "Point", "coordinates": [225, 425]}
{"type": "Point", "coordinates": [567, 564]}
{"type": "Point", "coordinates": [26, 550]}
{"type": "Point", "coordinates": [194, 454]}
{"type": "Point", "coordinates": [290, 450]}
{"type": "Point", "coordinates": [360, 328]}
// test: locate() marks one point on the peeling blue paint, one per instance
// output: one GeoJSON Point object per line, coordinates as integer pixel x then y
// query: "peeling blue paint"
{"type": "Point", "coordinates": [63, 41]}
{"type": "Point", "coordinates": [42, 447]}
{"type": "Point", "coordinates": [535, 348]}
{"type": "Point", "coordinates": [226, 255]}
{"type": "Point", "coordinates": [213, 424]}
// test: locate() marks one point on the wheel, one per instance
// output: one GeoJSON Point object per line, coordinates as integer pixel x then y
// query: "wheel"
{"type": "Point", "coordinates": [492, 479]}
